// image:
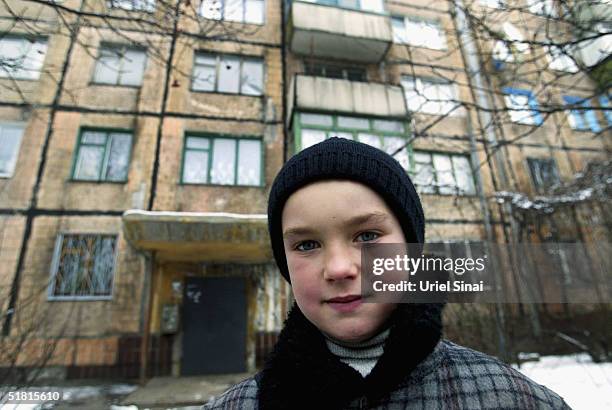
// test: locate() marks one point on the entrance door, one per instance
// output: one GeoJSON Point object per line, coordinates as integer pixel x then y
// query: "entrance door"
{"type": "Point", "coordinates": [214, 326]}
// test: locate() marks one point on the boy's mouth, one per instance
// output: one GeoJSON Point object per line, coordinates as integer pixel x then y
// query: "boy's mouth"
{"type": "Point", "coordinates": [345, 303]}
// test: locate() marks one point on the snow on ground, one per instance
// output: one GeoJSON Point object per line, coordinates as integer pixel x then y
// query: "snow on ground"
{"type": "Point", "coordinates": [584, 385]}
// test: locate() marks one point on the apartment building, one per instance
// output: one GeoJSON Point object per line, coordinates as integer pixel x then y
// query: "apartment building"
{"type": "Point", "coordinates": [139, 139]}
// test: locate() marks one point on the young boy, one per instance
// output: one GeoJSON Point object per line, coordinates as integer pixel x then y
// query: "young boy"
{"type": "Point", "coordinates": [335, 351]}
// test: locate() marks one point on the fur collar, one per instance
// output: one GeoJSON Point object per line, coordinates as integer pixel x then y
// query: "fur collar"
{"type": "Point", "coordinates": [301, 373]}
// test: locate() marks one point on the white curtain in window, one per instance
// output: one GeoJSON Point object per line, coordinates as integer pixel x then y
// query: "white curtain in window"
{"type": "Point", "coordinates": [89, 162]}
{"type": "Point", "coordinates": [229, 74]}
{"type": "Point", "coordinates": [463, 175]}
{"type": "Point", "coordinates": [223, 161]}
{"type": "Point", "coordinates": [132, 67]}
{"type": "Point", "coordinates": [234, 10]}
{"type": "Point", "coordinates": [10, 140]}
{"type": "Point", "coordinates": [425, 33]}
{"type": "Point", "coordinates": [375, 6]}
{"type": "Point", "coordinates": [195, 167]}
{"type": "Point", "coordinates": [444, 174]}
{"type": "Point", "coordinates": [211, 9]}
{"type": "Point", "coordinates": [424, 172]}
{"type": "Point", "coordinates": [249, 165]}
{"type": "Point", "coordinates": [311, 137]}
{"type": "Point", "coordinates": [107, 67]}
{"type": "Point", "coordinates": [254, 11]}
{"type": "Point", "coordinates": [23, 58]}
{"type": "Point", "coordinates": [392, 144]}
{"type": "Point", "coordinates": [204, 73]}
{"type": "Point", "coordinates": [252, 77]}
{"type": "Point", "coordinates": [118, 157]}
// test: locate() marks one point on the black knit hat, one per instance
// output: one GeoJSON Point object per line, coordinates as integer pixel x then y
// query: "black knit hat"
{"type": "Point", "coordinates": [340, 158]}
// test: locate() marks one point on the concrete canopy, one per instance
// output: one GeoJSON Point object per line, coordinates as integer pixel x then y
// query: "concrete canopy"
{"type": "Point", "coordinates": [199, 236]}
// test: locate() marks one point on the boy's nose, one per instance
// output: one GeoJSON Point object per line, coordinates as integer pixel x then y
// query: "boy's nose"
{"type": "Point", "coordinates": [341, 263]}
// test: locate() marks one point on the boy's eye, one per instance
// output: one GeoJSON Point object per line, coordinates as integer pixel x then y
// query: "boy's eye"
{"type": "Point", "coordinates": [306, 246]}
{"type": "Point", "coordinates": [368, 236]}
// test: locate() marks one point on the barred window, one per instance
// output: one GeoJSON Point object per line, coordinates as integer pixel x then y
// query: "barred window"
{"type": "Point", "coordinates": [83, 266]}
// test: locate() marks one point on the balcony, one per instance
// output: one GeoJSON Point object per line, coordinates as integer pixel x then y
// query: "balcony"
{"type": "Point", "coordinates": [333, 32]}
{"type": "Point", "coordinates": [308, 93]}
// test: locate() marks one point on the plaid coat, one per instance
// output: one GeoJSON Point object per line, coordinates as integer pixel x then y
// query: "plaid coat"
{"type": "Point", "coordinates": [447, 376]}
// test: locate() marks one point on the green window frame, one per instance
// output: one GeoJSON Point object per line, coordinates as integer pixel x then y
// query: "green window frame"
{"type": "Point", "coordinates": [442, 173]}
{"type": "Point", "coordinates": [384, 133]}
{"type": "Point", "coordinates": [109, 150]}
{"type": "Point", "coordinates": [205, 151]}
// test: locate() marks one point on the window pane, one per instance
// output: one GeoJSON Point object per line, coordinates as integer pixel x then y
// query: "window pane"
{"type": "Point", "coordinates": [423, 173]}
{"type": "Point", "coordinates": [10, 140]}
{"type": "Point", "coordinates": [204, 73]}
{"type": "Point", "coordinates": [444, 174]}
{"type": "Point", "coordinates": [373, 140]}
{"type": "Point", "coordinates": [89, 162]}
{"type": "Point", "coordinates": [132, 67]}
{"type": "Point", "coordinates": [195, 167]}
{"type": "Point", "coordinates": [372, 5]}
{"type": "Point", "coordinates": [463, 175]}
{"type": "Point", "coordinates": [211, 9]}
{"type": "Point", "coordinates": [196, 142]}
{"type": "Point", "coordinates": [93, 137]}
{"type": "Point", "coordinates": [392, 144]}
{"type": "Point", "coordinates": [399, 30]}
{"type": "Point", "coordinates": [229, 74]}
{"type": "Point", "coordinates": [349, 4]}
{"type": "Point", "coordinates": [311, 137]}
{"type": "Point", "coordinates": [252, 77]}
{"type": "Point", "coordinates": [103, 265]}
{"type": "Point", "coordinates": [254, 12]}
{"type": "Point", "coordinates": [389, 126]}
{"type": "Point", "coordinates": [249, 167]}
{"type": "Point", "coordinates": [316, 119]}
{"type": "Point", "coordinates": [119, 157]}
{"type": "Point", "coordinates": [23, 58]}
{"type": "Point", "coordinates": [107, 67]}
{"type": "Point", "coordinates": [234, 10]}
{"type": "Point", "coordinates": [224, 161]}
{"type": "Point", "coordinates": [354, 123]}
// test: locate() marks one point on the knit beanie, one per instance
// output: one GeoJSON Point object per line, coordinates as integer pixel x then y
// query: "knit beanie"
{"type": "Point", "coordinates": [341, 158]}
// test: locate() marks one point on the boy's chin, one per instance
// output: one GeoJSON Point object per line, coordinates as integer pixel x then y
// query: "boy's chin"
{"type": "Point", "coordinates": [351, 336]}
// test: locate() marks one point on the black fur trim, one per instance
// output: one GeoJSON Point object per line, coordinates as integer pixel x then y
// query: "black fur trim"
{"type": "Point", "coordinates": [301, 373]}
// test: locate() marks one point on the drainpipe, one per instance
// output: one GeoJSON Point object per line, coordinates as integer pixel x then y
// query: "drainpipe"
{"type": "Point", "coordinates": [473, 66]}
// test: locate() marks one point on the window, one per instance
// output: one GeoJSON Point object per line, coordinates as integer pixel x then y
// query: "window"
{"type": "Point", "coordinates": [244, 11]}
{"type": "Point", "coordinates": [375, 6]}
{"type": "Point", "coordinates": [387, 135]}
{"type": "Point", "coordinates": [510, 47]}
{"type": "Point", "coordinates": [222, 161]}
{"type": "Point", "coordinates": [418, 32]}
{"type": "Point", "coordinates": [10, 140]}
{"type": "Point", "coordinates": [429, 96]}
{"type": "Point", "coordinates": [543, 173]}
{"type": "Point", "coordinates": [581, 117]}
{"type": "Point", "coordinates": [494, 4]}
{"type": "Point", "coordinates": [103, 156]}
{"type": "Point", "coordinates": [438, 173]}
{"type": "Point", "coordinates": [560, 60]}
{"type": "Point", "coordinates": [542, 7]}
{"type": "Point", "coordinates": [119, 65]}
{"type": "Point", "coordinates": [83, 266]}
{"type": "Point", "coordinates": [335, 71]}
{"type": "Point", "coordinates": [604, 102]}
{"type": "Point", "coordinates": [21, 58]}
{"type": "Point", "coordinates": [228, 74]}
{"type": "Point", "coordinates": [522, 106]}
{"type": "Point", "coordinates": [133, 5]}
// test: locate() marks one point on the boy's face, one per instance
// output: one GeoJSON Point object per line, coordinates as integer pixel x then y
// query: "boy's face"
{"type": "Point", "coordinates": [324, 225]}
